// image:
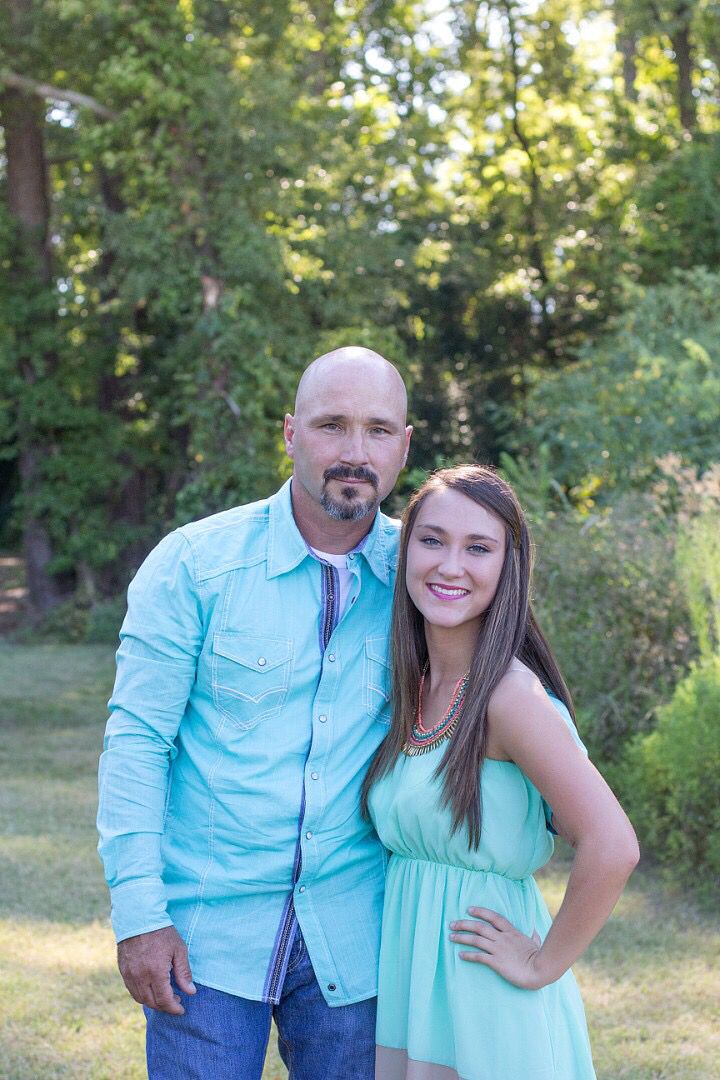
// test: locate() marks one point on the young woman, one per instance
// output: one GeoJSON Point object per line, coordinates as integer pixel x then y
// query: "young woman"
{"type": "Point", "coordinates": [474, 975]}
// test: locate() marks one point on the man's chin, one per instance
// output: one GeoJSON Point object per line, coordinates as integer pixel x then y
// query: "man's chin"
{"type": "Point", "coordinates": [348, 508]}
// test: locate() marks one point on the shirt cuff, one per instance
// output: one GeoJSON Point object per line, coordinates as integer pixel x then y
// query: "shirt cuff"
{"type": "Point", "coordinates": [138, 907]}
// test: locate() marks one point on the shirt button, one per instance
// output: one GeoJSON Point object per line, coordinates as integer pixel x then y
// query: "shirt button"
{"type": "Point", "coordinates": [323, 719]}
{"type": "Point", "coordinates": [261, 661]}
{"type": "Point", "coordinates": [308, 835]}
{"type": "Point", "coordinates": [331, 658]}
{"type": "Point", "coordinates": [314, 776]}
{"type": "Point", "coordinates": [301, 889]}
{"type": "Point", "coordinates": [332, 986]}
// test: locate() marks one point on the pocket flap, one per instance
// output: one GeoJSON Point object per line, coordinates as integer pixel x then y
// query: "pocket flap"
{"type": "Point", "coordinates": [252, 650]}
{"type": "Point", "coordinates": [378, 648]}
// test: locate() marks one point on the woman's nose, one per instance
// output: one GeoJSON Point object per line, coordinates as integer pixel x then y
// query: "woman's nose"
{"type": "Point", "coordinates": [450, 563]}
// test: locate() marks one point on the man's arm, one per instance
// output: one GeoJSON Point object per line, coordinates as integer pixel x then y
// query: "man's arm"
{"type": "Point", "coordinates": [161, 638]}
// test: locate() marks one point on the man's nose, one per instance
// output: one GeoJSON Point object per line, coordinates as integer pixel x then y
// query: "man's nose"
{"type": "Point", "coordinates": [354, 450]}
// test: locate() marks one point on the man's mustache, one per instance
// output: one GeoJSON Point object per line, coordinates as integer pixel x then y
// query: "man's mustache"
{"type": "Point", "coordinates": [339, 472]}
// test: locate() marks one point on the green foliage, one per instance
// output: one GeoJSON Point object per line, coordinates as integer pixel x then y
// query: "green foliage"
{"type": "Point", "coordinates": [677, 213]}
{"type": "Point", "coordinates": [66, 623]}
{"type": "Point", "coordinates": [672, 780]}
{"type": "Point", "coordinates": [104, 621]}
{"type": "Point", "coordinates": [534, 483]}
{"type": "Point", "coordinates": [77, 621]}
{"type": "Point", "coordinates": [649, 386]}
{"type": "Point", "coordinates": [610, 603]}
{"type": "Point", "coordinates": [698, 555]}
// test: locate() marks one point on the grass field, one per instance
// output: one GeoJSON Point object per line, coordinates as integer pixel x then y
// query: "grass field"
{"type": "Point", "coordinates": [651, 983]}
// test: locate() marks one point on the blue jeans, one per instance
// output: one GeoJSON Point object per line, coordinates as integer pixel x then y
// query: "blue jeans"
{"type": "Point", "coordinates": [223, 1037]}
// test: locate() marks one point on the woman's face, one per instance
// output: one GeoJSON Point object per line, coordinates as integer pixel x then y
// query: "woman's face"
{"type": "Point", "coordinates": [454, 559]}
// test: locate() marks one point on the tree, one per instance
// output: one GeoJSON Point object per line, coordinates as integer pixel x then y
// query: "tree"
{"type": "Point", "coordinates": [229, 190]}
{"type": "Point", "coordinates": [649, 386]}
{"type": "Point", "coordinates": [31, 318]}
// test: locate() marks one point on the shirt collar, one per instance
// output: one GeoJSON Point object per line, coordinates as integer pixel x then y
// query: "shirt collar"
{"type": "Point", "coordinates": [287, 547]}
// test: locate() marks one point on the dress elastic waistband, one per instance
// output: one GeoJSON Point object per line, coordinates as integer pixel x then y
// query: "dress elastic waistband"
{"type": "Point", "coordinates": [464, 869]}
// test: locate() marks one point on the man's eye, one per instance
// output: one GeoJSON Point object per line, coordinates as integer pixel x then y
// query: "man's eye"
{"type": "Point", "coordinates": [380, 431]}
{"type": "Point", "coordinates": [331, 427]}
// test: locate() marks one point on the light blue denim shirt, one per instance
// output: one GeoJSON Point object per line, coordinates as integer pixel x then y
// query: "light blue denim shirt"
{"type": "Point", "coordinates": [243, 718]}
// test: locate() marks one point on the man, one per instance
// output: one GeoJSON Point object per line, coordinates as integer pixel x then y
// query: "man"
{"type": "Point", "coordinates": [252, 691]}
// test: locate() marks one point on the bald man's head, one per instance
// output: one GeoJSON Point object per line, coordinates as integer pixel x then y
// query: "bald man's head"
{"type": "Point", "coordinates": [359, 363]}
{"type": "Point", "coordinates": [348, 438]}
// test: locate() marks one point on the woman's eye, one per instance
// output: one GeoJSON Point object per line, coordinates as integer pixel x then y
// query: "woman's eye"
{"type": "Point", "coordinates": [478, 549]}
{"type": "Point", "coordinates": [430, 541]}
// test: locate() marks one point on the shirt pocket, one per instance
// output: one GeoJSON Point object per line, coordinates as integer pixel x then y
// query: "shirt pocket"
{"type": "Point", "coordinates": [377, 678]}
{"type": "Point", "coordinates": [250, 676]}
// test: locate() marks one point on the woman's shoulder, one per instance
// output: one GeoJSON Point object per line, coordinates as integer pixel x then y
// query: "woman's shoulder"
{"type": "Point", "coordinates": [518, 680]}
{"type": "Point", "coordinates": [521, 701]}
{"type": "Point", "coordinates": [513, 700]}
{"type": "Point", "coordinates": [520, 697]}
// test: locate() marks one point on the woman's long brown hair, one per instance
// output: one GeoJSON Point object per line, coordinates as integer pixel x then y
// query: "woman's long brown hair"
{"type": "Point", "coordinates": [508, 630]}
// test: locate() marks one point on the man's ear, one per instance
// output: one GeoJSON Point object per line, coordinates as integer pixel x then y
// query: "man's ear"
{"type": "Point", "coordinates": [289, 434]}
{"type": "Point", "coordinates": [408, 436]}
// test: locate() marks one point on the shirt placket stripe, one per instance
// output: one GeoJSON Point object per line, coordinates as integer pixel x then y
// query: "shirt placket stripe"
{"type": "Point", "coordinates": [288, 928]}
{"type": "Point", "coordinates": [329, 612]}
{"type": "Point", "coordinates": [331, 590]}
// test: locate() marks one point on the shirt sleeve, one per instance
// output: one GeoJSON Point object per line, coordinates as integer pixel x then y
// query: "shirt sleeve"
{"type": "Point", "coordinates": [160, 641]}
{"type": "Point", "coordinates": [565, 713]}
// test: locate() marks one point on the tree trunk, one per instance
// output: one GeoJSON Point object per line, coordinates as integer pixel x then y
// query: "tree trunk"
{"type": "Point", "coordinates": [682, 47]}
{"type": "Point", "coordinates": [29, 207]}
{"type": "Point", "coordinates": [626, 44]}
{"type": "Point", "coordinates": [534, 215]}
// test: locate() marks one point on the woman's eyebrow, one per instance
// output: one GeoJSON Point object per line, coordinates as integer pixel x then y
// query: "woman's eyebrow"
{"type": "Point", "coordinates": [470, 536]}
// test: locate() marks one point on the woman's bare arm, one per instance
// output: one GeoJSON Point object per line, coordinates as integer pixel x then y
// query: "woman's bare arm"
{"type": "Point", "coordinates": [527, 729]}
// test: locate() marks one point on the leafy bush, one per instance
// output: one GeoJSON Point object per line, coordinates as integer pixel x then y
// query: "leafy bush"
{"type": "Point", "coordinates": [67, 622]}
{"type": "Point", "coordinates": [76, 621]}
{"type": "Point", "coordinates": [672, 779]}
{"type": "Point", "coordinates": [648, 387]}
{"type": "Point", "coordinates": [104, 621]}
{"type": "Point", "coordinates": [609, 599]}
{"type": "Point", "coordinates": [677, 215]}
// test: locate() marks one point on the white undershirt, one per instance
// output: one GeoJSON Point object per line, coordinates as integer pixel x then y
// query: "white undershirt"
{"type": "Point", "coordinates": [345, 576]}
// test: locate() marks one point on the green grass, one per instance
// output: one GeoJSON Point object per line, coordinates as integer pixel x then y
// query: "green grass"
{"type": "Point", "coordinates": [650, 982]}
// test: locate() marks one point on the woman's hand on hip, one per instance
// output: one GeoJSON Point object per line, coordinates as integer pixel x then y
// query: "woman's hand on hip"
{"type": "Point", "coordinates": [497, 944]}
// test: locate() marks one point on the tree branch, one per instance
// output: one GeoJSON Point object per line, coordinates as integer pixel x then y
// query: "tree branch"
{"type": "Point", "coordinates": [534, 207]}
{"type": "Point", "coordinates": [54, 93]}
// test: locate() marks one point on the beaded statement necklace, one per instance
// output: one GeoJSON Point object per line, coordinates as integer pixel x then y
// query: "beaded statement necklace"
{"type": "Point", "coordinates": [422, 741]}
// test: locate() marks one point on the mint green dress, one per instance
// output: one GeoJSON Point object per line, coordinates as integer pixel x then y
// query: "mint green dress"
{"type": "Point", "coordinates": [440, 1017]}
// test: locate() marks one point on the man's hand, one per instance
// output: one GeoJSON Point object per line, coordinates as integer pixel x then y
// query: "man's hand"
{"type": "Point", "coordinates": [145, 964]}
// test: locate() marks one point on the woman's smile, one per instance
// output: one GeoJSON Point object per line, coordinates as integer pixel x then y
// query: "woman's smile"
{"type": "Point", "coordinates": [447, 592]}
